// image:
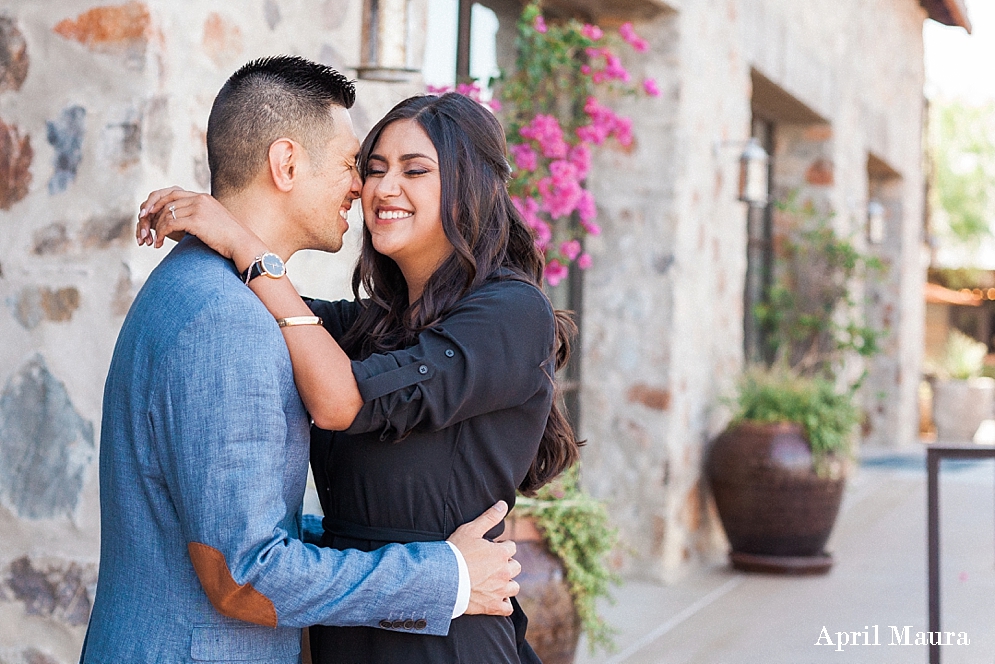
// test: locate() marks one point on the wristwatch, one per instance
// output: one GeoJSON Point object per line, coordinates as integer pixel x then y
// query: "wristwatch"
{"type": "Point", "coordinates": [269, 264]}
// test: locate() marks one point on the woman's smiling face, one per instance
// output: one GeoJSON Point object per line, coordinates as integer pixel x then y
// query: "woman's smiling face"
{"type": "Point", "coordinates": [402, 200]}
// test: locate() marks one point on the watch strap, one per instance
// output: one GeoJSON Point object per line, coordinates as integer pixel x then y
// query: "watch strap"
{"type": "Point", "coordinates": [253, 271]}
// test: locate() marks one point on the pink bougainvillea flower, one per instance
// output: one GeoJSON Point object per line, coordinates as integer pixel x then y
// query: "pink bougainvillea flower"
{"type": "Point", "coordinates": [585, 70]}
{"type": "Point", "coordinates": [650, 87]}
{"type": "Point", "coordinates": [471, 90]}
{"type": "Point", "coordinates": [529, 209]}
{"type": "Point", "coordinates": [555, 272]}
{"type": "Point", "coordinates": [546, 131]}
{"type": "Point", "coordinates": [570, 249]}
{"type": "Point", "coordinates": [540, 24]}
{"type": "Point", "coordinates": [584, 261]}
{"type": "Point", "coordinates": [628, 33]}
{"type": "Point", "coordinates": [614, 69]}
{"type": "Point", "coordinates": [580, 157]}
{"type": "Point", "coordinates": [591, 227]}
{"type": "Point", "coordinates": [587, 210]}
{"type": "Point", "coordinates": [592, 32]}
{"type": "Point", "coordinates": [525, 157]}
{"type": "Point", "coordinates": [495, 104]}
{"type": "Point", "coordinates": [623, 130]}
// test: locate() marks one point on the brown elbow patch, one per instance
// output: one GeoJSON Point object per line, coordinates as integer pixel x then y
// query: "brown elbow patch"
{"type": "Point", "coordinates": [230, 599]}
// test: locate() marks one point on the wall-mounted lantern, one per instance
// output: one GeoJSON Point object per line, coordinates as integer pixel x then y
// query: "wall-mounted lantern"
{"type": "Point", "coordinates": [385, 42]}
{"type": "Point", "coordinates": [753, 170]}
{"type": "Point", "coordinates": [875, 222]}
{"type": "Point", "coordinates": [753, 173]}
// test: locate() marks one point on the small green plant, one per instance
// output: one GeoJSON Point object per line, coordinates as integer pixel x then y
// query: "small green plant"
{"type": "Point", "coordinates": [578, 531]}
{"type": "Point", "coordinates": [963, 357]}
{"type": "Point", "coordinates": [811, 316]}
{"type": "Point", "coordinates": [778, 394]}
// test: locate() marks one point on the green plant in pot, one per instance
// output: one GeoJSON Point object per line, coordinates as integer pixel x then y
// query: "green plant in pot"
{"type": "Point", "coordinates": [962, 397]}
{"type": "Point", "coordinates": [778, 470]}
{"type": "Point", "coordinates": [564, 537]}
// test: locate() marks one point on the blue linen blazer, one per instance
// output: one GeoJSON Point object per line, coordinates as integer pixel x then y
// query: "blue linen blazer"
{"type": "Point", "coordinates": [203, 465]}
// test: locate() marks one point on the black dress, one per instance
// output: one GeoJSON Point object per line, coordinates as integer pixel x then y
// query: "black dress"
{"type": "Point", "coordinates": [449, 426]}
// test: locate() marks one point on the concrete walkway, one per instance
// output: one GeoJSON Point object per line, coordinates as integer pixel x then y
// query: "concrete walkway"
{"type": "Point", "coordinates": [719, 616]}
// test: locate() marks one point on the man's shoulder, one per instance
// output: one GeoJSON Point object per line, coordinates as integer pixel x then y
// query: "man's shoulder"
{"type": "Point", "coordinates": [193, 280]}
{"type": "Point", "coordinates": [194, 291]}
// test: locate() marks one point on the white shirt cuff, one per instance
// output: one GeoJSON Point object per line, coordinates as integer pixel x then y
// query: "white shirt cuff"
{"type": "Point", "coordinates": [463, 594]}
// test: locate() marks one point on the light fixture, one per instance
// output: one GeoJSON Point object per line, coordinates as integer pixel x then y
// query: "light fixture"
{"type": "Point", "coordinates": [385, 44]}
{"type": "Point", "coordinates": [875, 222]}
{"type": "Point", "coordinates": [753, 185]}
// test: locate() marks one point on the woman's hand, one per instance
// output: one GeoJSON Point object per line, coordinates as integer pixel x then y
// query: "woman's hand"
{"type": "Point", "coordinates": [172, 212]}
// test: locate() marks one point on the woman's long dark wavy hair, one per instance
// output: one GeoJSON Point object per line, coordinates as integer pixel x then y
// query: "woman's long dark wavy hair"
{"type": "Point", "coordinates": [487, 233]}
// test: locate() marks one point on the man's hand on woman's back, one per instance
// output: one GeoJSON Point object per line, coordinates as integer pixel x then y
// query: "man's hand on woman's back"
{"type": "Point", "coordinates": [491, 565]}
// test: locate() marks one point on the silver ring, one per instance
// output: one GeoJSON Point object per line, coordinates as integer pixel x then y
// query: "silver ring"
{"type": "Point", "coordinates": [172, 211]}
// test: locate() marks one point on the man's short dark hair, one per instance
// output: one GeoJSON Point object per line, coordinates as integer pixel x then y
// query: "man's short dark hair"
{"type": "Point", "coordinates": [276, 97]}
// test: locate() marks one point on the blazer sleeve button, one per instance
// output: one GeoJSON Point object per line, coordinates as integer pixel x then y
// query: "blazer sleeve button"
{"type": "Point", "coordinates": [397, 624]}
{"type": "Point", "coordinates": [386, 624]}
{"type": "Point", "coordinates": [409, 624]}
{"type": "Point", "coordinates": [420, 624]}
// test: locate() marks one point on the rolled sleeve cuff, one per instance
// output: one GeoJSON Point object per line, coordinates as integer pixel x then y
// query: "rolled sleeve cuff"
{"type": "Point", "coordinates": [463, 593]}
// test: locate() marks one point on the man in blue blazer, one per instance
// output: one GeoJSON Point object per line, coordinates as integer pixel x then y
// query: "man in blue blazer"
{"type": "Point", "coordinates": [204, 440]}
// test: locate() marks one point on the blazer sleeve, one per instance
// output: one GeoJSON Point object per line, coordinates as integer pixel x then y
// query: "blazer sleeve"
{"type": "Point", "coordinates": [221, 438]}
{"type": "Point", "coordinates": [493, 351]}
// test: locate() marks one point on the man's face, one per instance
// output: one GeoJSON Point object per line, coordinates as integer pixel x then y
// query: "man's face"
{"type": "Point", "coordinates": [329, 183]}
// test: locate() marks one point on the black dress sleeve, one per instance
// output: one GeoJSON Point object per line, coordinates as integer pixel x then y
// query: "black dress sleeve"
{"type": "Point", "coordinates": [493, 351]}
{"type": "Point", "coordinates": [337, 317]}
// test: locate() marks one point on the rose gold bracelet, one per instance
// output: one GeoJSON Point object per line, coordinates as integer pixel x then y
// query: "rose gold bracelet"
{"type": "Point", "coordinates": [291, 321]}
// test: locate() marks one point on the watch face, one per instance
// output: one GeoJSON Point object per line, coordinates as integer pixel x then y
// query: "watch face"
{"type": "Point", "coordinates": [273, 265]}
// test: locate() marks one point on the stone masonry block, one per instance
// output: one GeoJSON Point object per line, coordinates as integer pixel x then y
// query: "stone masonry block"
{"type": "Point", "coordinates": [109, 27]}
{"type": "Point", "coordinates": [66, 135]}
{"type": "Point", "coordinates": [45, 445]}
{"type": "Point", "coordinates": [51, 239]}
{"type": "Point", "coordinates": [15, 165]}
{"type": "Point", "coordinates": [59, 590]}
{"type": "Point", "coordinates": [222, 41]}
{"type": "Point", "coordinates": [13, 55]}
{"type": "Point", "coordinates": [34, 304]}
{"type": "Point", "coordinates": [104, 230]}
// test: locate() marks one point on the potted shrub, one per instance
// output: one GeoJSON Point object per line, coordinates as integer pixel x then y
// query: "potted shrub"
{"type": "Point", "coordinates": [564, 538]}
{"type": "Point", "coordinates": [962, 397]}
{"type": "Point", "coordinates": [778, 470]}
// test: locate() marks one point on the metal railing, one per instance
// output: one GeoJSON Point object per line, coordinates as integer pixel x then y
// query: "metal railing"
{"type": "Point", "coordinates": [935, 454]}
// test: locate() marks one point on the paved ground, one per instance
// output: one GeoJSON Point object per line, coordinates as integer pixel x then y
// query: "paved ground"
{"type": "Point", "coordinates": [718, 616]}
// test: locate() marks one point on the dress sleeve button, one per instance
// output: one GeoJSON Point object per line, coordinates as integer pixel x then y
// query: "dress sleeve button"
{"type": "Point", "coordinates": [450, 352]}
{"type": "Point", "coordinates": [423, 370]}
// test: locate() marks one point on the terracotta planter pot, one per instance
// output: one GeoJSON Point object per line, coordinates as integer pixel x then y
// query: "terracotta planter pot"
{"type": "Point", "coordinates": [770, 500]}
{"type": "Point", "coordinates": [554, 627]}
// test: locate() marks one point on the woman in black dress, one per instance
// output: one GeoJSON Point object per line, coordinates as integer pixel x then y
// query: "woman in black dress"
{"type": "Point", "coordinates": [453, 352]}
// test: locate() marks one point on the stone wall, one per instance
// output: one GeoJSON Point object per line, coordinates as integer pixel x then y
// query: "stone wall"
{"type": "Point", "coordinates": [664, 301]}
{"type": "Point", "coordinates": [98, 105]}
